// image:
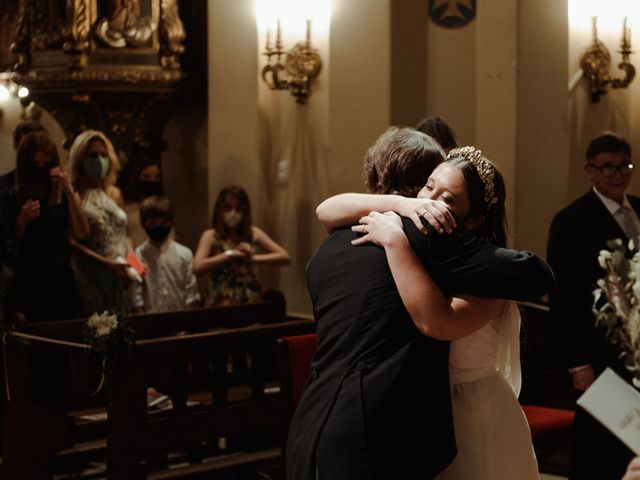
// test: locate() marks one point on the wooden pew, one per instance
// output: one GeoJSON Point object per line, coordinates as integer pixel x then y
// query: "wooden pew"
{"type": "Point", "coordinates": [134, 436]}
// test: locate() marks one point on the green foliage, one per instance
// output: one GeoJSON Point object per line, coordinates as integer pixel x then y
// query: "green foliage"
{"type": "Point", "coordinates": [616, 304]}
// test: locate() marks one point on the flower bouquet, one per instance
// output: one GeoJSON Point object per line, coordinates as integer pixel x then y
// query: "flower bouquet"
{"type": "Point", "coordinates": [105, 332]}
{"type": "Point", "coordinates": [617, 302]}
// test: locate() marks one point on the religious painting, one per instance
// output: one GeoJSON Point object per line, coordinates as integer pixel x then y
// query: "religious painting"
{"type": "Point", "coordinates": [8, 20]}
{"type": "Point", "coordinates": [125, 23]}
{"type": "Point", "coordinates": [452, 13]}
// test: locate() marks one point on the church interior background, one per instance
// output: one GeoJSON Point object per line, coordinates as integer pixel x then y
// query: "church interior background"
{"type": "Point", "coordinates": [186, 87]}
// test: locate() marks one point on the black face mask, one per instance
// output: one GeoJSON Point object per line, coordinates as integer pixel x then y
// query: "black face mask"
{"type": "Point", "coordinates": [148, 189]}
{"type": "Point", "coordinates": [159, 233]}
{"type": "Point", "coordinates": [39, 173]}
{"type": "Point", "coordinates": [36, 183]}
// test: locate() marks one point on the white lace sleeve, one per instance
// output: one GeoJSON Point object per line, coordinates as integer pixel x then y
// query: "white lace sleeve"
{"type": "Point", "coordinates": [509, 346]}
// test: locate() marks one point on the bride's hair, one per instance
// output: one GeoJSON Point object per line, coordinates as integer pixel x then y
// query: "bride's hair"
{"type": "Point", "coordinates": [486, 190]}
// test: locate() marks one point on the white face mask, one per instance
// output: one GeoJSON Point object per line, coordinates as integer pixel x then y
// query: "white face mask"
{"type": "Point", "coordinates": [232, 218]}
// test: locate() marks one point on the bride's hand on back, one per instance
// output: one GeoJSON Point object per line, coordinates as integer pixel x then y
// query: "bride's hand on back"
{"type": "Point", "coordinates": [383, 229]}
{"type": "Point", "coordinates": [435, 212]}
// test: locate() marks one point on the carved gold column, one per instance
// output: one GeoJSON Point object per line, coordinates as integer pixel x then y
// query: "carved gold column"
{"type": "Point", "coordinates": [104, 64]}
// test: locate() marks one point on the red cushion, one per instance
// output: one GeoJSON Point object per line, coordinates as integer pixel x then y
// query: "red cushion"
{"type": "Point", "coordinates": [301, 351]}
{"type": "Point", "coordinates": [543, 420]}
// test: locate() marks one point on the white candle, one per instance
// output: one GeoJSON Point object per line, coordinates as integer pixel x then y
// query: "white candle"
{"type": "Point", "coordinates": [278, 36]}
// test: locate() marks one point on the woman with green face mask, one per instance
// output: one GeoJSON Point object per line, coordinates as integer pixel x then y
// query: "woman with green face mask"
{"type": "Point", "coordinates": [100, 270]}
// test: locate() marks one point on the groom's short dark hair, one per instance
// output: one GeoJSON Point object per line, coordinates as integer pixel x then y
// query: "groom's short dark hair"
{"type": "Point", "coordinates": [400, 161]}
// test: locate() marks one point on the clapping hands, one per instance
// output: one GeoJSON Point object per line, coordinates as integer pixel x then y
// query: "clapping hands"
{"type": "Point", "coordinates": [243, 251]}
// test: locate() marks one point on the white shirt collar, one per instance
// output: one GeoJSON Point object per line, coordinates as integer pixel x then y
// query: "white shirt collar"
{"type": "Point", "coordinates": [612, 205]}
{"type": "Point", "coordinates": [147, 245]}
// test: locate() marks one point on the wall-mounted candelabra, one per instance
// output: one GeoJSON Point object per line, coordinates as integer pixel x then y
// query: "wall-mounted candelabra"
{"type": "Point", "coordinates": [301, 66]}
{"type": "Point", "coordinates": [596, 62]}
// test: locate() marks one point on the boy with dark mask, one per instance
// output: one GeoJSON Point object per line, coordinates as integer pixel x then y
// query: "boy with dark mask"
{"type": "Point", "coordinates": [169, 283]}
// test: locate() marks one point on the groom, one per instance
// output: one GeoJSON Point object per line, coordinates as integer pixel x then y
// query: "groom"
{"type": "Point", "coordinates": [377, 404]}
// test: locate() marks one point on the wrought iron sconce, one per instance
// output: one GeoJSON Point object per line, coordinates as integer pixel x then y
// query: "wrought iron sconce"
{"type": "Point", "coordinates": [596, 61]}
{"type": "Point", "coordinates": [301, 66]}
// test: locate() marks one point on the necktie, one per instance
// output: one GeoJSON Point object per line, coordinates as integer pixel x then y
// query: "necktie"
{"type": "Point", "coordinates": [629, 225]}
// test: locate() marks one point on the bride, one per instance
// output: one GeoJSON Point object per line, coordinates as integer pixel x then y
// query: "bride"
{"type": "Point", "coordinates": [492, 434]}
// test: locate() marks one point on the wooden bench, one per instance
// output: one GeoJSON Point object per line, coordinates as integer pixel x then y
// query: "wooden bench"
{"type": "Point", "coordinates": [137, 439]}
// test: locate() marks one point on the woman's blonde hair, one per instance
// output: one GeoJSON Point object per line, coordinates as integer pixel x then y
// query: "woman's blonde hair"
{"type": "Point", "coordinates": [77, 154]}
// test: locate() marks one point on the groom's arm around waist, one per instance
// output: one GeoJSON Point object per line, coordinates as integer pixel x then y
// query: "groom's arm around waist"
{"type": "Point", "coordinates": [464, 264]}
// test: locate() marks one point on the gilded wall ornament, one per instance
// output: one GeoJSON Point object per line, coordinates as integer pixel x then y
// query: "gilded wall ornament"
{"type": "Point", "coordinates": [134, 76]}
{"type": "Point", "coordinates": [79, 26]}
{"type": "Point", "coordinates": [172, 34]}
{"type": "Point", "coordinates": [72, 57]}
{"type": "Point", "coordinates": [452, 13]}
{"type": "Point", "coordinates": [125, 25]}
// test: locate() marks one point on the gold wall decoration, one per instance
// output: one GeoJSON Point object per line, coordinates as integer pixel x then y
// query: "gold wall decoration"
{"type": "Point", "coordinates": [103, 64]}
{"type": "Point", "coordinates": [172, 34]}
{"type": "Point", "coordinates": [596, 62]}
{"type": "Point", "coordinates": [79, 26]}
{"type": "Point", "coordinates": [302, 65]}
{"type": "Point", "coordinates": [125, 25]}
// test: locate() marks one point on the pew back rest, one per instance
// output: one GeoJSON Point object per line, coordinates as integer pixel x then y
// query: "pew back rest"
{"type": "Point", "coordinates": [156, 325]}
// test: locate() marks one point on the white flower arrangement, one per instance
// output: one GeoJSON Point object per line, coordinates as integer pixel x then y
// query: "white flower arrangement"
{"type": "Point", "coordinates": [102, 324]}
{"type": "Point", "coordinates": [106, 331]}
{"type": "Point", "coordinates": [617, 302]}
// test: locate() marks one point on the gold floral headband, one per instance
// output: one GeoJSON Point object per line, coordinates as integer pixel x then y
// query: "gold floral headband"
{"type": "Point", "coordinates": [486, 171]}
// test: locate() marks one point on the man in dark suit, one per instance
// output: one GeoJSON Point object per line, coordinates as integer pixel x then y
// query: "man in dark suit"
{"type": "Point", "coordinates": [377, 404]}
{"type": "Point", "coordinates": [577, 234]}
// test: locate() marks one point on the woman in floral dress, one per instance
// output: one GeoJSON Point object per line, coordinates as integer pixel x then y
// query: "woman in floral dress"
{"type": "Point", "coordinates": [230, 250]}
{"type": "Point", "coordinates": [99, 265]}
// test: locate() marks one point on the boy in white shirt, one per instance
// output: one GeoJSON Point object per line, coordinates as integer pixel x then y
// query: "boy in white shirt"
{"type": "Point", "coordinates": [169, 283]}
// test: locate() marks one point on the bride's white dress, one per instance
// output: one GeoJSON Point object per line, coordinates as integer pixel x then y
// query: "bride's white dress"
{"type": "Point", "coordinates": [492, 433]}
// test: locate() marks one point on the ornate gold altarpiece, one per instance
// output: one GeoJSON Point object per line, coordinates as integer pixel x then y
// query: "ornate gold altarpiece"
{"type": "Point", "coordinates": [112, 65]}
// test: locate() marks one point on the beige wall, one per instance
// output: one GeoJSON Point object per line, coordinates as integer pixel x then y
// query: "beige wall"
{"type": "Point", "coordinates": [501, 83]}
{"type": "Point", "coordinates": [12, 115]}
{"type": "Point", "coordinates": [255, 133]}
{"type": "Point", "coordinates": [542, 120]}
{"type": "Point", "coordinates": [185, 169]}
{"type": "Point", "coordinates": [8, 121]}
{"type": "Point", "coordinates": [494, 81]}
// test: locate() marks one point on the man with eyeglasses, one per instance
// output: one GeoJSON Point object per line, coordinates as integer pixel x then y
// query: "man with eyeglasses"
{"type": "Point", "coordinates": [577, 234]}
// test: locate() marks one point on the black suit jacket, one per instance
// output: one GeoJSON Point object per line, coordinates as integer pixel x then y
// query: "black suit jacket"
{"type": "Point", "coordinates": [378, 397]}
{"type": "Point", "coordinates": [577, 234]}
{"type": "Point", "coordinates": [7, 181]}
